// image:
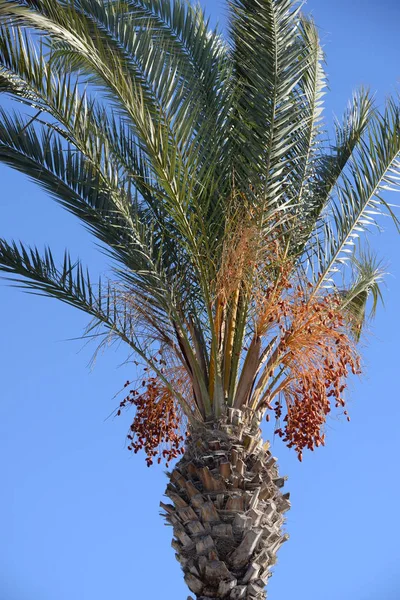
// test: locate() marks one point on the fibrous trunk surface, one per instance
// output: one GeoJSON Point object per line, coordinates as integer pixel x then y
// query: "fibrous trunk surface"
{"type": "Point", "coordinates": [228, 510]}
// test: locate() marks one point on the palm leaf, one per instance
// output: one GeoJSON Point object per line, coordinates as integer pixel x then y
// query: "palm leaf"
{"type": "Point", "coordinates": [71, 284]}
{"type": "Point", "coordinates": [368, 275]}
{"type": "Point", "coordinates": [373, 167]}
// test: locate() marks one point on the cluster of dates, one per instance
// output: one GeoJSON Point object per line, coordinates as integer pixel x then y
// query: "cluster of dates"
{"type": "Point", "coordinates": [319, 356]}
{"type": "Point", "coordinates": [156, 427]}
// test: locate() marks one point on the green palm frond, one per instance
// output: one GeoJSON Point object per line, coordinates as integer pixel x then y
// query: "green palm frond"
{"type": "Point", "coordinates": [330, 165]}
{"type": "Point", "coordinates": [179, 34]}
{"type": "Point", "coordinates": [306, 152]}
{"type": "Point", "coordinates": [311, 93]}
{"type": "Point", "coordinates": [368, 275]}
{"type": "Point", "coordinates": [348, 135]}
{"type": "Point", "coordinates": [71, 284]}
{"type": "Point", "coordinates": [357, 200]}
{"type": "Point", "coordinates": [106, 141]}
{"type": "Point", "coordinates": [265, 53]}
{"type": "Point", "coordinates": [160, 133]}
{"type": "Point", "coordinates": [107, 211]}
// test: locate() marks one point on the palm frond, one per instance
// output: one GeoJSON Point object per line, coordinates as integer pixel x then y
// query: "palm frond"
{"type": "Point", "coordinates": [348, 135]}
{"type": "Point", "coordinates": [368, 275]}
{"type": "Point", "coordinates": [107, 142]}
{"type": "Point", "coordinates": [72, 285]}
{"type": "Point", "coordinates": [266, 52]}
{"type": "Point", "coordinates": [328, 168]}
{"type": "Point", "coordinates": [70, 178]}
{"type": "Point", "coordinates": [179, 33]}
{"type": "Point", "coordinates": [154, 127]}
{"type": "Point", "coordinates": [301, 181]}
{"type": "Point", "coordinates": [357, 200]}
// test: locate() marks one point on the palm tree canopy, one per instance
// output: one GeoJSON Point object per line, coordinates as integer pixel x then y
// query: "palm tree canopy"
{"type": "Point", "coordinates": [202, 164]}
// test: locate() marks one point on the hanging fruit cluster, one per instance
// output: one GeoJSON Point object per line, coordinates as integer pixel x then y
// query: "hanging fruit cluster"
{"type": "Point", "coordinates": [157, 425]}
{"type": "Point", "coordinates": [318, 355]}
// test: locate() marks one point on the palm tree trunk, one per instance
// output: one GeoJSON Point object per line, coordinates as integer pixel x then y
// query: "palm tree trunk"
{"type": "Point", "coordinates": [227, 511]}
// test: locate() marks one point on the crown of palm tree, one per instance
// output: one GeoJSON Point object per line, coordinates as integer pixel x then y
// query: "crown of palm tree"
{"type": "Point", "coordinates": [203, 167]}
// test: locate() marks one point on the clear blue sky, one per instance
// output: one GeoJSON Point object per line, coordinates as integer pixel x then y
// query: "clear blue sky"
{"type": "Point", "coordinates": [79, 516]}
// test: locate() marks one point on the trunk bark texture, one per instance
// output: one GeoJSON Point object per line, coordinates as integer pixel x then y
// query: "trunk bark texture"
{"type": "Point", "coordinates": [228, 510]}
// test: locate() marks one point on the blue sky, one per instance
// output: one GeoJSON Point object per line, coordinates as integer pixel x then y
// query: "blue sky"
{"type": "Point", "coordinates": [79, 516]}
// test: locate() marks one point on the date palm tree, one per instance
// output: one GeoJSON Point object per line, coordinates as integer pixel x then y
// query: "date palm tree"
{"type": "Point", "coordinates": [239, 275]}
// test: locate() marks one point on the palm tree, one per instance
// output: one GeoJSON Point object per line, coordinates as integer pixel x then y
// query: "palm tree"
{"type": "Point", "coordinates": [240, 279]}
